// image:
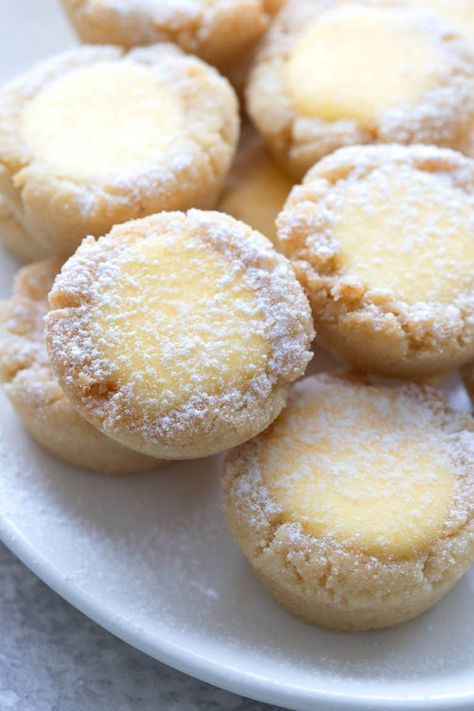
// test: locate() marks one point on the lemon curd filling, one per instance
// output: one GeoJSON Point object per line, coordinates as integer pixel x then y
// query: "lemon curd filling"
{"type": "Point", "coordinates": [113, 116]}
{"type": "Point", "coordinates": [407, 231]}
{"type": "Point", "coordinates": [360, 62]}
{"type": "Point", "coordinates": [180, 321]}
{"type": "Point", "coordinates": [259, 197]}
{"type": "Point", "coordinates": [361, 465]}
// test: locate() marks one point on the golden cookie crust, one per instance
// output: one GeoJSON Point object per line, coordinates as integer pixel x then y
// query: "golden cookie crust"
{"type": "Point", "coordinates": [372, 329]}
{"type": "Point", "coordinates": [16, 239]}
{"type": "Point", "coordinates": [332, 584]}
{"type": "Point", "coordinates": [60, 211]}
{"type": "Point", "coordinates": [195, 422]}
{"type": "Point", "coordinates": [443, 117]}
{"type": "Point", "coordinates": [218, 32]}
{"type": "Point", "coordinates": [34, 391]}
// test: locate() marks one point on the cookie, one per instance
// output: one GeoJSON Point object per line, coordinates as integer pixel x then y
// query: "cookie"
{"type": "Point", "coordinates": [34, 391]}
{"type": "Point", "coordinates": [96, 136]}
{"type": "Point", "coordinates": [218, 32]}
{"type": "Point", "coordinates": [333, 74]}
{"type": "Point", "coordinates": [355, 509]}
{"type": "Point", "coordinates": [381, 239]}
{"type": "Point", "coordinates": [179, 334]}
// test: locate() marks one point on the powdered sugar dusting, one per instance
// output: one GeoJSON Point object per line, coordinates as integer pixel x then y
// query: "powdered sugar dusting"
{"type": "Point", "coordinates": [390, 436]}
{"type": "Point", "coordinates": [416, 417]}
{"type": "Point", "coordinates": [195, 25]}
{"type": "Point", "coordinates": [83, 298]}
{"type": "Point", "coordinates": [186, 173]}
{"type": "Point", "coordinates": [438, 309]}
{"type": "Point", "coordinates": [442, 116]}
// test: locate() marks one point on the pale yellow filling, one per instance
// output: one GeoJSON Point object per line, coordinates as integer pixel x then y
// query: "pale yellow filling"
{"type": "Point", "coordinates": [362, 465]}
{"type": "Point", "coordinates": [258, 197]}
{"type": "Point", "coordinates": [113, 116]}
{"type": "Point", "coordinates": [458, 13]}
{"type": "Point", "coordinates": [181, 321]}
{"type": "Point", "coordinates": [360, 62]}
{"type": "Point", "coordinates": [409, 232]}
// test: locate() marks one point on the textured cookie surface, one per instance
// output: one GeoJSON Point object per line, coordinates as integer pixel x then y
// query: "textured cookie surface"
{"type": "Point", "coordinates": [381, 237]}
{"type": "Point", "coordinates": [34, 391]}
{"type": "Point", "coordinates": [332, 74]}
{"type": "Point", "coordinates": [355, 508]}
{"type": "Point", "coordinates": [216, 30]}
{"type": "Point", "coordinates": [96, 136]}
{"type": "Point", "coordinates": [179, 334]}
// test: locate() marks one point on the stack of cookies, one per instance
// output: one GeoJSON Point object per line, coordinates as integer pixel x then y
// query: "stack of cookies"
{"type": "Point", "coordinates": [181, 265]}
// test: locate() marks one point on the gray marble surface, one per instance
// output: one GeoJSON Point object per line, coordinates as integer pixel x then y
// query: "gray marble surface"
{"type": "Point", "coordinates": [53, 658]}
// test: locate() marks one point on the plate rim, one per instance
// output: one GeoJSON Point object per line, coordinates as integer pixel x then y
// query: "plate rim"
{"type": "Point", "coordinates": [224, 676]}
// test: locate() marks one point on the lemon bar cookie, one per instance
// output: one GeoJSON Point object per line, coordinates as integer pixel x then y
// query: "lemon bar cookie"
{"type": "Point", "coordinates": [16, 239]}
{"type": "Point", "coordinates": [382, 239]}
{"type": "Point", "coordinates": [97, 136]}
{"type": "Point", "coordinates": [179, 334]}
{"type": "Point", "coordinates": [219, 31]}
{"type": "Point", "coordinates": [356, 507]}
{"type": "Point", "coordinates": [256, 187]}
{"type": "Point", "coordinates": [332, 74]}
{"type": "Point", "coordinates": [35, 393]}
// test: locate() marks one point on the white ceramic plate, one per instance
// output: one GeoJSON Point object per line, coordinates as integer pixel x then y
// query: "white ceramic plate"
{"type": "Point", "coordinates": [149, 558]}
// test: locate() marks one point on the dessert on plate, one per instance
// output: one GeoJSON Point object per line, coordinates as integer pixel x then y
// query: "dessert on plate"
{"type": "Point", "coordinates": [333, 74]}
{"type": "Point", "coordinates": [179, 334]}
{"type": "Point", "coordinates": [381, 238]}
{"type": "Point", "coordinates": [355, 509]}
{"type": "Point", "coordinates": [96, 136]}
{"type": "Point", "coordinates": [34, 391]}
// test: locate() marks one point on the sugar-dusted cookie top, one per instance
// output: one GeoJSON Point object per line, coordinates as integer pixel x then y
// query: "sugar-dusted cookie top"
{"type": "Point", "coordinates": [219, 31]}
{"type": "Point", "coordinates": [96, 136]}
{"type": "Point", "coordinates": [382, 239]}
{"type": "Point", "coordinates": [34, 391]}
{"type": "Point", "coordinates": [338, 73]}
{"type": "Point", "coordinates": [179, 334]}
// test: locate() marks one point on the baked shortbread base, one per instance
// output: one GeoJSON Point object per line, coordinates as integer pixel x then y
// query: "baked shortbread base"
{"type": "Point", "coordinates": [178, 335]}
{"type": "Point", "coordinates": [345, 545]}
{"type": "Point", "coordinates": [218, 32]}
{"type": "Point", "coordinates": [97, 136]}
{"type": "Point", "coordinates": [394, 73]}
{"type": "Point", "coordinates": [34, 392]}
{"type": "Point", "coordinates": [16, 239]}
{"type": "Point", "coordinates": [380, 238]}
